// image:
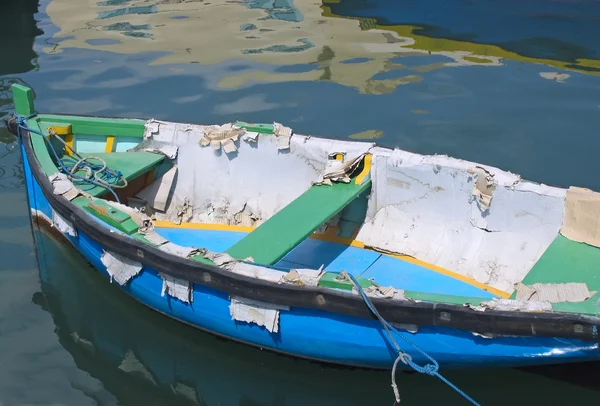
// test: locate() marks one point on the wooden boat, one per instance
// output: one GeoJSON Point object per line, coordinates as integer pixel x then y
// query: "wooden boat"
{"type": "Point", "coordinates": [337, 251]}
{"type": "Point", "coordinates": [115, 341]}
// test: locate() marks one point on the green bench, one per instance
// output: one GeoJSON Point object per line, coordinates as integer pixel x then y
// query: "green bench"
{"type": "Point", "coordinates": [130, 164]}
{"type": "Point", "coordinates": [273, 239]}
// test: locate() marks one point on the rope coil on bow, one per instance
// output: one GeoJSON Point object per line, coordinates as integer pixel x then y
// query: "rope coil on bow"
{"type": "Point", "coordinates": [95, 174]}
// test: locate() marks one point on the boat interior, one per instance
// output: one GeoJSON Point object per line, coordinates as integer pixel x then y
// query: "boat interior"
{"type": "Point", "coordinates": [259, 193]}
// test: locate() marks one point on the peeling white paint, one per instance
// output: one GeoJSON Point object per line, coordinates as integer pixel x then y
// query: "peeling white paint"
{"type": "Point", "coordinates": [63, 186]}
{"type": "Point", "coordinates": [218, 186]}
{"type": "Point", "coordinates": [475, 220]}
{"type": "Point", "coordinates": [177, 288]}
{"type": "Point", "coordinates": [255, 312]}
{"type": "Point", "coordinates": [554, 292]}
{"type": "Point", "coordinates": [513, 305]}
{"type": "Point", "coordinates": [64, 226]}
{"type": "Point", "coordinates": [423, 206]}
{"type": "Point", "coordinates": [120, 268]}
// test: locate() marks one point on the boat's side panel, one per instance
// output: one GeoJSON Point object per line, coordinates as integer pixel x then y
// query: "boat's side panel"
{"type": "Point", "coordinates": [85, 144]}
{"type": "Point", "coordinates": [323, 335]}
{"type": "Point", "coordinates": [332, 337]}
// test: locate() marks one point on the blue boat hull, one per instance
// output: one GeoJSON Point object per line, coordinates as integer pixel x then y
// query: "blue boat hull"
{"type": "Point", "coordinates": [321, 335]}
{"type": "Point", "coordinates": [104, 332]}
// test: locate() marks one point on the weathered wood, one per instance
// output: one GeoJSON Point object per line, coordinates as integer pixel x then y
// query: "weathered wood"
{"type": "Point", "coordinates": [41, 149]}
{"type": "Point", "coordinates": [111, 215]}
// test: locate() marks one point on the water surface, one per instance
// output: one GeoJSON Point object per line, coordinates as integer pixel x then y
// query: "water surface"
{"type": "Point", "coordinates": [514, 85]}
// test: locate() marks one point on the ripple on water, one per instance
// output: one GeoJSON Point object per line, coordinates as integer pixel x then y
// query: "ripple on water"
{"type": "Point", "coordinates": [102, 41]}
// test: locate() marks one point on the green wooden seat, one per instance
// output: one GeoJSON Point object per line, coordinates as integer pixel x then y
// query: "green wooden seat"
{"type": "Point", "coordinates": [130, 164]}
{"type": "Point", "coordinates": [273, 239]}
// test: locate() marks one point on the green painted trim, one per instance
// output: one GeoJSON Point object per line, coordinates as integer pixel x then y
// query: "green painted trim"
{"type": "Point", "coordinates": [23, 98]}
{"type": "Point", "coordinates": [80, 201]}
{"type": "Point", "coordinates": [439, 298]}
{"type": "Point", "coordinates": [590, 307]}
{"type": "Point", "coordinates": [126, 224]}
{"type": "Point", "coordinates": [258, 128]}
{"type": "Point", "coordinates": [41, 150]}
{"type": "Point", "coordinates": [125, 127]}
{"type": "Point", "coordinates": [201, 259]}
{"type": "Point", "coordinates": [329, 280]}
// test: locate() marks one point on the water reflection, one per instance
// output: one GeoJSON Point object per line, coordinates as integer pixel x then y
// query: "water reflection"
{"type": "Point", "coordinates": [554, 32]}
{"type": "Point", "coordinates": [294, 34]}
{"type": "Point", "coordinates": [218, 61]}
{"type": "Point", "coordinates": [18, 31]}
{"type": "Point", "coordinates": [318, 40]}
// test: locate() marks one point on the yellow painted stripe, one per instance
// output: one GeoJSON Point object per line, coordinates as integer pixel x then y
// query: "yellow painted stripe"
{"type": "Point", "coordinates": [200, 226]}
{"type": "Point", "coordinates": [61, 129]}
{"type": "Point", "coordinates": [69, 140]}
{"type": "Point", "coordinates": [340, 240]}
{"type": "Point", "coordinates": [331, 237]}
{"type": "Point", "coordinates": [110, 143]}
{"type": "Point", "coordinates": [451, 274]}
{"type": "Point", "coordinates": [366, 170]}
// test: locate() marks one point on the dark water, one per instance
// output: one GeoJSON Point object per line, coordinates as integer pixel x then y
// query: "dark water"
{"type": "Point", "coordinates": [515, 84]}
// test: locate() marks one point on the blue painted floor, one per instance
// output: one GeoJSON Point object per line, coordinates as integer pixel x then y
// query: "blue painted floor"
{"type": "Point", "coordinates": [382, 269]}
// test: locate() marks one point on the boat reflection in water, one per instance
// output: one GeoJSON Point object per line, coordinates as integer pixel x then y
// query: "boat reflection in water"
{"type": "Point", "coordinates": [142, 357]}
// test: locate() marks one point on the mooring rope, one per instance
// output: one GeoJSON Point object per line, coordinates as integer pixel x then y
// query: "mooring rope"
{"type": "Point", "coordinates": [429, 369]}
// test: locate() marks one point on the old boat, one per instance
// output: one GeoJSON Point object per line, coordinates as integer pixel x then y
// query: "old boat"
{"type": "Point", "coordinates": [337, 251]}
{"type": "Point", "coordinates": [116, 343]}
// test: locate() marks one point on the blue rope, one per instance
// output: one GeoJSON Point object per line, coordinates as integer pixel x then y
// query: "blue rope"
{"type": "Point", "coordinates": [429, 369]}
{"type": "Point", "coordinates": [108, 175]}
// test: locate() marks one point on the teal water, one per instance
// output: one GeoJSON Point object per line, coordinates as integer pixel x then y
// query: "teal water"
{"type": "Point", "coordinates": [518, 88]}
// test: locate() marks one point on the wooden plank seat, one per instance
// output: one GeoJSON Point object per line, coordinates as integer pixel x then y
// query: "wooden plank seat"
{"type": "Point", "coordinates": [281, 233]}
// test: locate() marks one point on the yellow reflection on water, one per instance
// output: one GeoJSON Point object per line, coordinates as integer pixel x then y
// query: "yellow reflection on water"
{"type": "Point", "coordinates": [472, 52]}
{"type": "Point", "coordinates": [210, 32]}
